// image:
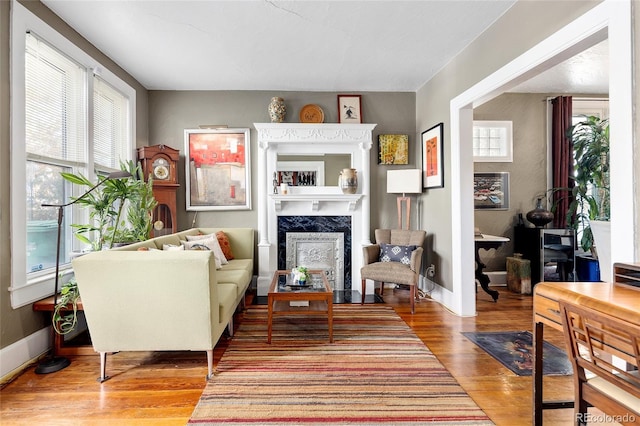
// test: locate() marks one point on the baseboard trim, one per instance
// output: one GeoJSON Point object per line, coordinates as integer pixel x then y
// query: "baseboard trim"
{"type": "Point", "coordinates": [19, 355]}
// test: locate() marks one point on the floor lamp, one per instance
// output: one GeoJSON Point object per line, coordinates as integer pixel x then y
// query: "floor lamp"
{"type": "Point", "coordinates": [54, 362]}
{"type": "Point", "coordinates": [407, 181]}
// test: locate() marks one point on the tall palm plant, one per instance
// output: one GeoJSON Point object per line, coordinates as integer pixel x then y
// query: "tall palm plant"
{"type": "Point", "coordinates": [590, 195]}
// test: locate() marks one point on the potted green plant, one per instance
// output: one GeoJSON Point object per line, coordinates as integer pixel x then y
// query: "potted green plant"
{"type": "Point", "coordinates": [590, 202]}
{"type": "Point", "coordinates": [120, 211]}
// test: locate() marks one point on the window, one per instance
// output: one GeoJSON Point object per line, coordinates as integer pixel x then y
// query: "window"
{"type": "Point", "coordinates": [65, 118]}
{"type": "Point", "coordinates": [492, 141]}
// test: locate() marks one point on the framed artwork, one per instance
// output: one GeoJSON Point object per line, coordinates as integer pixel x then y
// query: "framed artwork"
{"type": "Point", "coordinates": [349, 109]}
{"type": "Point", "coordinates": [433, 157]}
{"type": "Point", "coordinates": [491, 191]}
{"type": "Point", "coordinates": [300, 173]}
{"type": "Point", "coordinates": [393, 149]}
{"type": "Point", "coordinates": [217, 169]}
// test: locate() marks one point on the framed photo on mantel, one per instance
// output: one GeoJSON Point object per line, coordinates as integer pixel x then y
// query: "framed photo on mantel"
{"type": "Point", "coordinates": [217, 169]}
{"type": "Point", "coordinates": [349, 109]}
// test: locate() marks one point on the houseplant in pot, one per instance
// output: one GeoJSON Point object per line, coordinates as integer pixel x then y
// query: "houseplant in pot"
{"type": "Point", "coordinates": [589, 209]}
{"type": "Point", "coordinates": [120, 211]}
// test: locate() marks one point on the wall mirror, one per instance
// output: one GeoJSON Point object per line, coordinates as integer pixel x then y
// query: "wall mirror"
{"type": "Point", "coordinates": [310, 170]}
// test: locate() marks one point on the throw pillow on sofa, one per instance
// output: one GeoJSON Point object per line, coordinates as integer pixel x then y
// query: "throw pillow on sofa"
{"type": "Point", "coordinates": [396, 253]}
{"type": "Point", "coordinates": [225, 245]}
{"type": "Point", "coordinates": [172, 247]}
{"type": "Point", "coordinates": [208, 244]}
{"type": "Point", "coordinates": [220, 251]}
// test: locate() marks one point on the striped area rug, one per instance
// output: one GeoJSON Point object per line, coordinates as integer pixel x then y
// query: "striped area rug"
{"type": "Point", "coordinates": [377, 371]}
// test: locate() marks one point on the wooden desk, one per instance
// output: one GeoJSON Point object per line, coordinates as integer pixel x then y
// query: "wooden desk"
{"type": "Point", "coordinates": [62, 348]}
{"type": "Point", "coordinates": [618, 300]}
{"type": "Point", "coordinates": [487, 242]}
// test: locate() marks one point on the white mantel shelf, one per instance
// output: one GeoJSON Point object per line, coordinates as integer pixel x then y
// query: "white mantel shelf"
{"type": "Point", "coordinates": [315, 200]}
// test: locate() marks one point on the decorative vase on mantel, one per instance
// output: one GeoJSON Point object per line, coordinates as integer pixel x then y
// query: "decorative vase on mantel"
{"type": "Point", "coordinates": [277, 110]}
{"type": "Point", "coordinates": [539, 216]}
{"type": "Point", "coordinates": [348, 181]}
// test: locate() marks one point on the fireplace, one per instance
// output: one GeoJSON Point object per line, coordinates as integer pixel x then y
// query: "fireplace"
{"type": "Point", "coordinates": [320, 219]}
{"type": "Point", "coordinates": [317, 242]}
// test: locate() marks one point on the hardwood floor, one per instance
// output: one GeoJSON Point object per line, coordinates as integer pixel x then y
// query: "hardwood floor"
{"type": "Point", "coordinates": [162, 388]}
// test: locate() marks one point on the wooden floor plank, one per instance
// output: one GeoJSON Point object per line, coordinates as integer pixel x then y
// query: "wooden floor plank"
{"type": "Point", "coordinates": [162, 388]}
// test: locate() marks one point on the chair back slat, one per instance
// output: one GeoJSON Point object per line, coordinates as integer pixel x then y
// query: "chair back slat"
{"type": "Point", "coordinates": [596, 339]}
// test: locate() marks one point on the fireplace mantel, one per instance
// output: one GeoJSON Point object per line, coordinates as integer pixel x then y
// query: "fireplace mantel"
{"type": "Point", "coordinates": [314, 201]}
{"type": "Point", "coordinates": [311, 139]}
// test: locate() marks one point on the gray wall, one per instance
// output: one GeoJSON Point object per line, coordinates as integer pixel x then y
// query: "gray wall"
{"type": "Point", "coordinates": [170, 112]}
{"type": "Point", "coordinates": [16, 324]}
{"type": "Point", "coordinates": [527, 172]}
{"type": "Point", "coordinates": [524, 25]}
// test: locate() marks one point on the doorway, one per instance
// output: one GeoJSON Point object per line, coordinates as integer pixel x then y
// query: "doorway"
{"type": "Point", "coordinates": [609, 20]}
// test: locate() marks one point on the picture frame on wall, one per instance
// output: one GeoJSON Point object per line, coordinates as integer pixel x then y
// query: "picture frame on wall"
{"type": "Point", "coordinates": [217, 163]}
{"type": "Point", "coordinates": [349, 109]}
{"type": "Point", "coordinates": [433, 157]}
{"type": "Point", "coordinates": [491, 191]}
{"type": "Point", "coordinates": [393, 149]}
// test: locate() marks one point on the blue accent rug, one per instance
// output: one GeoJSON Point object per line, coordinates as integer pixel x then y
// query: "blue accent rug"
{"type": "Point", "coordinates": [514, 350]}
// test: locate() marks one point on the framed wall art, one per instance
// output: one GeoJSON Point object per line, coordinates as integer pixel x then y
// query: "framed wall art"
{"type": "Point", "coordinates": [393, 149]}
{"type": "Point", "coordinates": [349, 109]}
{"type": "Point", "coordinates": [300, 173]}
{"type": "Point", "coordinates": [433, 157]}
{"type": "Point", "coordinates": [217, 169]}
{"type": "Point", "coordinates": [491, 191]}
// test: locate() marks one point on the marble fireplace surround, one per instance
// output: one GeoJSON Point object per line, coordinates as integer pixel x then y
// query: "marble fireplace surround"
{"type": "Point", "coordinates": [306, 202]}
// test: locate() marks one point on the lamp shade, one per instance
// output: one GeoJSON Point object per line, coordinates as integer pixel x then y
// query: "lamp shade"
{"type": "Point", "coordinates": [406, 181]}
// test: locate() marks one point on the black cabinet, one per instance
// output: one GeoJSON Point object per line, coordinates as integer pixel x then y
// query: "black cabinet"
{"type": "Point", "coordinates": [553, 249]}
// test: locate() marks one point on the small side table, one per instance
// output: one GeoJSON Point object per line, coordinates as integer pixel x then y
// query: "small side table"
{"type": "Point", "coordinates": [62, 347]}
{"type": "Point", "coordinates": [487, 242]}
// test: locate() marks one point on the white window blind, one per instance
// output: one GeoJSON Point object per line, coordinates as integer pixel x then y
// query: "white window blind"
{"type": "Point", "coordinates": [110, 111]}
{"type": "Point", "coordinates": [64, 119]}
{"type": "Point", "coordinates": [55, 123]}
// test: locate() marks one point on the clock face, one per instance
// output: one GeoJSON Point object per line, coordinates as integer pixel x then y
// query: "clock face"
{"type": "Point", "coordinates": [161, 169]}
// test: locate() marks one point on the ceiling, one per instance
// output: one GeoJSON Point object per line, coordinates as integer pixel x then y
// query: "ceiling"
{"type": "Point", "coordinates": [302, 45]}
{"type": "Point", "coordinates": [280, 45]}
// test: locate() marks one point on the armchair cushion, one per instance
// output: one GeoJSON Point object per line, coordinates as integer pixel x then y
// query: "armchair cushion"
{"type": "Point", "coordinates": [396, 253]}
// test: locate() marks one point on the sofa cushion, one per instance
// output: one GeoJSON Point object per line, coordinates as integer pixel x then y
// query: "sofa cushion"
{"type": "Point", "coordinates": [241, 264]}
{"type": "Point", "coordinates": [227, 295]}
{"type": "Point", "coordinates": [237, 277]}
{"type": "Point", "coordinates": [210, 244]}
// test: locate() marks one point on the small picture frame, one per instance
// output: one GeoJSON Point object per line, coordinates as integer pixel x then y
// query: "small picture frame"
{"type": "Point", "coordinates": [433, 157]}
{"type": "Point", "coordinates": [491, 191]}
{"type": "Point", "coordinates": [393, 149]}
{"type": "Point", "coordinates": [349, 109]}
{"type": "Point", "coordinates": [217, 169]}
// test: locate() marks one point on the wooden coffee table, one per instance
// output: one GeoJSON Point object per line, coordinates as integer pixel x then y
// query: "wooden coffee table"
{"type": "Point", "coordinates": [317, 293]}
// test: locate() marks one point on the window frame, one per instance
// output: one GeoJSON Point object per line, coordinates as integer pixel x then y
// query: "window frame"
{"type": "Point", "coordinates": [507, 127]}
{"type": "Point", "coordinates": [26, 287]}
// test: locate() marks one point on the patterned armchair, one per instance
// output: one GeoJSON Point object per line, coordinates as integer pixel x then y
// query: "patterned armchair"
{"type": "Point", "coordinates": [396, 257]}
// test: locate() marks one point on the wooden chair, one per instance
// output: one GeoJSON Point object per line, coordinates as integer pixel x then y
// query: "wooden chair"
{"type": "Point", "coordinates": [594, 340]}
{"type": "Point", "coordinates": [393, 272]}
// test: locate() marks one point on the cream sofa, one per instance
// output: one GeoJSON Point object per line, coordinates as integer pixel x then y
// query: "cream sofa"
{"type": "Point", "coordinates": [158, 300]}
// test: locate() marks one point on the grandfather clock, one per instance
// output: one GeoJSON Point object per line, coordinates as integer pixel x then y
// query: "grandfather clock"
{"type": "Point", "coordinates": [161, 163]}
